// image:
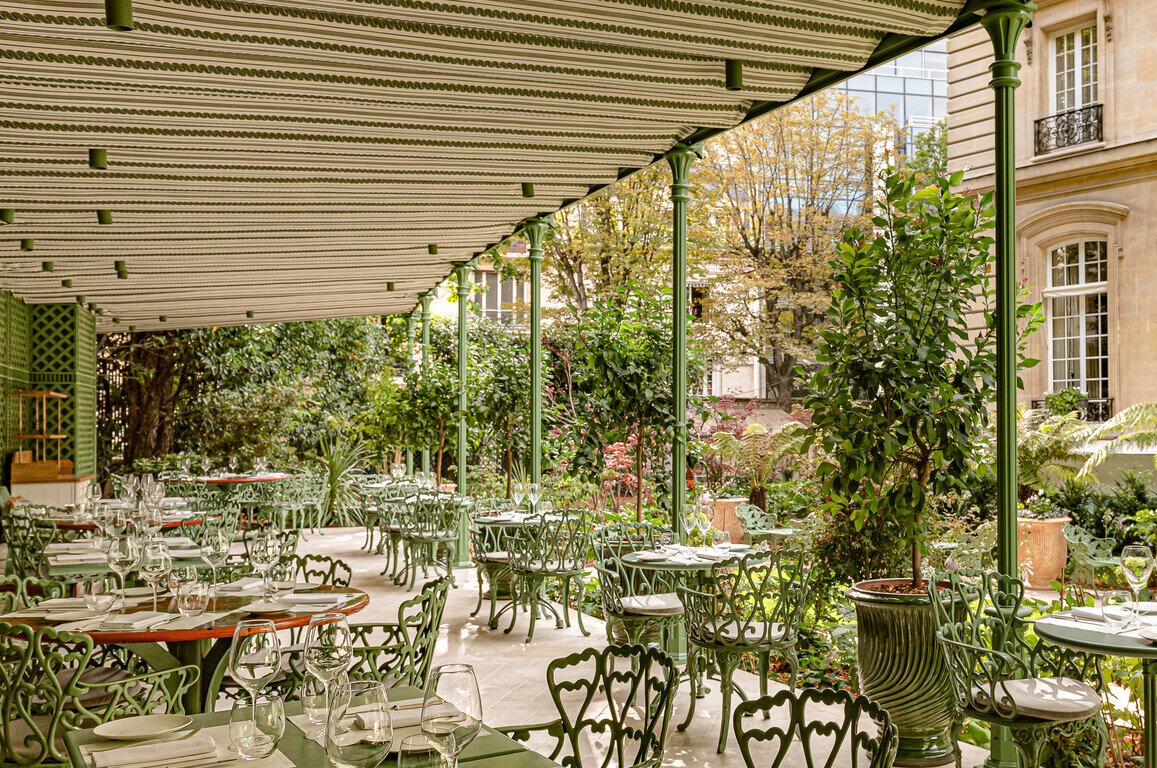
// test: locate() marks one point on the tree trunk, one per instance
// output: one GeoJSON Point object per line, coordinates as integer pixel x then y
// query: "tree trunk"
{"type": "Point", "coordinates": [509, 471]}
{"type": "Point", "coordinates": [639, 478]}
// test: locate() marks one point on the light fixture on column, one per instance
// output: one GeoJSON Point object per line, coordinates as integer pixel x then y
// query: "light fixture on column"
{"type": "Point", "coordinates": [132, 329]}
{"type": "Point", "coordinates": [27, 244]}
{"type": "Point", "coordinates": [527, 189]}
{"type": "Point", "coordinates": [92, 306]}
{"type": "Point", "coordinates": [390, 287]}
{"type": "Point", "coordinates": [104, 217]}
{"type": "Point", "coordinates": [116, 320]}
{"type": "Point", "coordinates": [733, 74]}
{"type": "Point", "coordinates": [164, 318]}
{"type": "Point", "coordinates": [47, 266]}
{"type": "Point", "coordinates": [7, 215]}
{"type": "Point", "coordinates": [118, 15]}
{"type": "Point", "coordinates": [249, 313]}
{"type": "Point", "coordinates": [80, 300]}
{"type": "Point", "coordinates": [121, 270]}
{"type": "Point", "coordinates": [98, 158]}
{"type": "Point", "coordinates": [432, 249]}
{"type": "Point", "coordinates": [66, 283]}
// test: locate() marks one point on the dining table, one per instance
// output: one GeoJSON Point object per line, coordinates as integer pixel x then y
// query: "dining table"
{"type": "Point", "coordinates": [1089, 634]}
{"type": "Point", "coordinates": [178, 641]}
{"type": "Point", "coordinates": [86, 557]}
{"type": "Point", "coordinates": [489, 749]}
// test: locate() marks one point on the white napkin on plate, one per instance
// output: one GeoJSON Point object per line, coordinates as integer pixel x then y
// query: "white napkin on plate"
{"type": "Point", "coordinates": [171, 754]}
{"type": "Point", "coordinates": [138, 620]}
{"type": "Point", "coordinates": [185, 554]}
{"type": "Point", "coordinates": [649, 556]}
{"type": "Point", "coordinates": [314, 597]}
{"type": "Point", "coordinates": [62, 602]}
{"type": "Point", "coordinates": [79, 557]}
{"type": "Point", "coordinates": [244, 585]}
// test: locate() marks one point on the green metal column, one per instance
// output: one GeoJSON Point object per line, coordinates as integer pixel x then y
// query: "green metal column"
{"type": "Point", "coordinates": [462, 273]}
{"type": "Point", "coordinates": [1004, 23]}
{"type": "Point", "coordinates": [680, 159]}
{"type": "Point", "coordinates": [410, 360]}
{"type": "Point", "coordinates": [534, 230]}
{"type": "Point", "coordinates": [424, 299]}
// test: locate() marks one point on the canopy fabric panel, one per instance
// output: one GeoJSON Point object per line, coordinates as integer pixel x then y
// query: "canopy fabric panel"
{"type": "Point", "coordinates": [295, 160]}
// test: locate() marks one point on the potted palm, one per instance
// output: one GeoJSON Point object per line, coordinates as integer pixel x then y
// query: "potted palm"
{"type": "Point", "coordinates": [900, 403]}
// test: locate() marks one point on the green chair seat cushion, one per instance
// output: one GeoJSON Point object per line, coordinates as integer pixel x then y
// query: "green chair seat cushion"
{"type": "Point", "coordinates": [1057, 699]}
{"type": "Point", "coordinates": [661, 604]}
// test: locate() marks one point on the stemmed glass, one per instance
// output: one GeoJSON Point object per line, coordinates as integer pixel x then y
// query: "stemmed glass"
{"type": "Point", "coordinates": [186, 466]}
{"type": "Point", "coordinates": [264, 551]}
{"type": "Point", "coordinates": [451, 710]}
{"type": "Point", "coordinates": [1137, 563]}
{"type": "Point", "coordinates": [103, 517]}
{"type": "Point", "coordinates": [328, 650]}
{"type": "Point", "coordinates": [122, 554]}
{"type": "Point", "coordinates": [255, 656]}
{"type": "Point", "coordinates": [518, 493]}
{"type": "Point", "coordinates": [205, 465]}
{"type": "Point", "coordinates": [156, 562]}
{"type": "Point", "coordinates": [360, 729]}
{"type": "Point", "coordinates": [152, 519]}
{"type": "Point", "coordinates": [532, 491]}
{"type": "Point", "coordinates": [215, 551]}
{"type": "Point", "coordinates": [233, 464]}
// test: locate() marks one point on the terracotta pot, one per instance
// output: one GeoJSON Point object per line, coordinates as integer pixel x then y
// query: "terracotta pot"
{"type": "Point", "coordinates": [902, 669]}
{"type": "Point", "coordinates": [1042, 550]}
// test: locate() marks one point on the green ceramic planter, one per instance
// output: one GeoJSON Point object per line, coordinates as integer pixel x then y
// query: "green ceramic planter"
{"type": "Point", "coordinates": [903, 670]}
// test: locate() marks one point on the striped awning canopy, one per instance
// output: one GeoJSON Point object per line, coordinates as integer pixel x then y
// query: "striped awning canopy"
{"type": "Point", "coordinates": [222, 162]}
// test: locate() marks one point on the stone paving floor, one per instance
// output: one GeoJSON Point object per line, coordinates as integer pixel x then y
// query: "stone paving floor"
{"type": "Point", "coordinates": [512, 673]}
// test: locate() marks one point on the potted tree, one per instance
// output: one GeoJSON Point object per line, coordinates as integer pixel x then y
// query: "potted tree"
{"type": "Point", "coordinates": [900, 405]}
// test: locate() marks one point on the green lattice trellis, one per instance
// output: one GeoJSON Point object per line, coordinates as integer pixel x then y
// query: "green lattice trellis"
{"type": "Point", "coordinates": [15, 368]}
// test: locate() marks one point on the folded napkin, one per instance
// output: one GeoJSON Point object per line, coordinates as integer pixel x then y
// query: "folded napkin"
{"type": "Point", "coordinates": [138, 620]}
{"type": "Point", "coordinates": [84, 545]}
{"type": "Point", "coordinates": [79, 557]}
{"type": "Point", "coordinates": [244, 585]}
{"type": "Point", "coordinates": [181, 542]}
{"type": "Point", "coordinates": [403, 714]}
{"type": "Point", "coordinates": [649, 556]}
{"type": "Point", "coordinates": [171, 754]}
{"type": "Point", "coordinates": [185, 554]}
{"type": "Point", "coordinates": [714, 555]}
{"type": "Point", "coordinates": [62, 602]}
{"type": "Point", "coordinates": [314, 597]}
{"type": "Point", "coordinates": [172, 501]}
{"type": "Point", "coordinates": [1098, 614]}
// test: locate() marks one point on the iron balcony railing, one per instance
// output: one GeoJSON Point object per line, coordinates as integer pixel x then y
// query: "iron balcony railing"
{"type": "Point", "coordinates": [1068, 129]}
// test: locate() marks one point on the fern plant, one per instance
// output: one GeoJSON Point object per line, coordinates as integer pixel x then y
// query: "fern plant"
{"type": "Point", "coordinates": [341, 459]}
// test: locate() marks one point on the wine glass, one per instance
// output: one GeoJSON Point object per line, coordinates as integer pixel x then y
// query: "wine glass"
{"type": "Point", "coordinates": [532, 491]}
{"type": "Point", "coordinates": [1137, 563]}
{"type": "Point", "coordinates": [122, 554]}
{"type": "Point", "coordinates": [103, 518]}
{"type": "Point", "coordinates": [264, 551]}
{"type": "Point", "coordinates": [518, 493]}
{"type": "Point", "coordinates": [156, 562]}
{"type": "Point", "coordinates": [255, 656]}
{"type": "Point", "coordinates": [152, 520]}
{"type": "Point", "coordinates": [254, 730]}
{"type": "Point", "coordinates": [205, 465]}
{"type": "Point", "coordinates": [360, 729]}
{"type": "Point", "coordinates": [99, 594]}
{"type": "Point", "coordinates": [233, 464]}
{"type": "Point", "coordinates": [186, 466]}
{"type": "Point", "coordinates": [721, 541]}
{"type": "Point", "coordinates": [451, 710]}
{"type": "Point", "coordinates": [215, 551]}
{"type": "Point", "coordinates": [328, 649]}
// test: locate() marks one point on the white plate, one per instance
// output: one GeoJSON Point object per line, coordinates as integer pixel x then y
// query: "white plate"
{"type": "Point", "coordinates": [268, 606]}
{"type": "Point", "coordinates": [143, 727]}
{"type": "Point", "coordinates": [1148, 633]}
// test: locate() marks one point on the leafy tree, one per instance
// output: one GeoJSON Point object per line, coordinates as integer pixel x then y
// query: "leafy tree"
{"type": "Point", "coordinates": [499, 395]}
{"type": "Point", "coordinates": [780, 191]}
{"type": "Point", "coordinates": [431, 406]}
{"type": "Point", "coordinates": [903, 393]}
{"type": "Point", "coordinates": [929, 159]}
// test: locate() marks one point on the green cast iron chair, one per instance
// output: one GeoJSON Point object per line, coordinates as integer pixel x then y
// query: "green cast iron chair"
{"type": "Point", "coordinates": [44, 693]}
{"type": "Point", "coordinates": [750, 606]}
{"type": "Point", "coordinates": [640, 601]}
{"type": "Point", "coordinates": [401, 652]}
{"type": "Point", "coordinates": [555, 547]}
{"type": "Point", "coordinates": [757, 524]}
{"type": "Point", "coordinates": [997, 677]}
{"type": "Point", "coordinates": [614, 707]}
{"type": "Point", "coordinates": [1090, 556]}
{"type": "Point", "coordinates": [491, 562]}
{"type": "Point", "coordinates": [857, 733]}
{"type": "Point", "coordinates": [616, 539]}
{"type": "Point", "coordinates": [431, 535]}
{"type": "Point", "coordinates": [27, 538]}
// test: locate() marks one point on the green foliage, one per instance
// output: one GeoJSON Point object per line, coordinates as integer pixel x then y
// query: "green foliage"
{"type": "Point", "coordinates": [1048, 446]}
{"type": "Point", "coordinates": [901, 397]}
{"type": "Point", "coordinates": [1064, 401]}
{"type": "Point", "coordinates": [758, 454]}
{"type": "Point", "coordinates": [340, 458]}
{"type": "Point", "coordinates": [929, 159]}
{"type": "Point", "coordinates": [430, 404]}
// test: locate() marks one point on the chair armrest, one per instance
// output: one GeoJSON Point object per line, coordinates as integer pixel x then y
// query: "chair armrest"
{"type": "Point", "coordinates": [522, 733]}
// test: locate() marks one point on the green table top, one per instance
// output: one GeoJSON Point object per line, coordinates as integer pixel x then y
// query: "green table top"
{"type": "Point", "coordinates": [489, 750]}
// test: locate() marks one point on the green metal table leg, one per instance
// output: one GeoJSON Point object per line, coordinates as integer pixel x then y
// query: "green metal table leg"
{"type": "Point", "coordinates": [1150, 667]}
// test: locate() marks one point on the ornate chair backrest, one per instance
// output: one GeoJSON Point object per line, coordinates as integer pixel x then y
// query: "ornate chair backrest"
{"type": "Point", "coordinates": [42, 694]}
{"type": "Point", "coordinates": [487, 539]}
{"type": "Point", "coordinates": [436, 516]}
{"type": "Point", "coordinates": [402, 652]}
{"type": "Point", "coordinates": [622, 693]}
{"type": "Point", "coordinates": [753, 518]}
{"type": "Point", "coordinates": [616, 539]}
{"type": "Point", "coordinates": [567, 541]}
{"type": "Point", "coordinates": [27, 538]}
{"type": "Point", "coordinates": [489, 506]}
{"type": "Point", "coordinates": [827, 725]}
{"type": "Point", "coordinates": [322, 569]}
{"type": "Point", "coordinates": [618, 581]}
{"type": "Point", "coordinates": [750, 601]}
